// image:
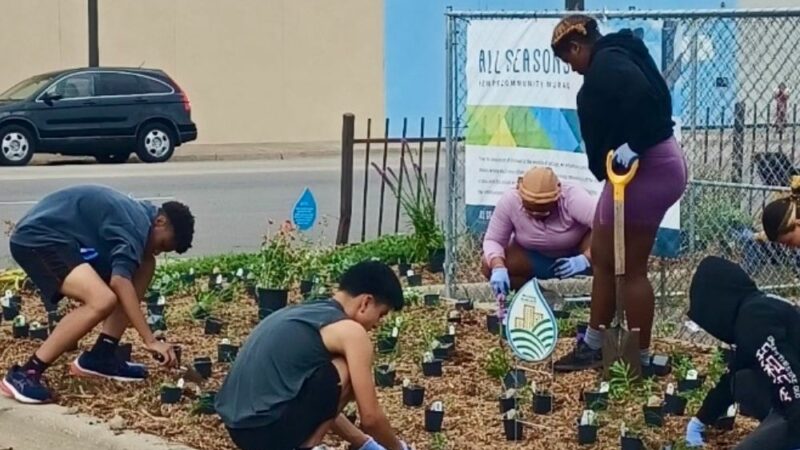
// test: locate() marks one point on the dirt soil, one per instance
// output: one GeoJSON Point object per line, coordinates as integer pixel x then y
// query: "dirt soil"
{"type": "Point", "coordinates": [469, 394]}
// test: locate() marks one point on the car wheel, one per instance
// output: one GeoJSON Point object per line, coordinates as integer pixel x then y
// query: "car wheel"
{"type": "Point", "coordinates": [155, 143]}
{"type": "Point", "coordinates": [16, 146]}
{"type": "Point", "coordinates": [112, 158]}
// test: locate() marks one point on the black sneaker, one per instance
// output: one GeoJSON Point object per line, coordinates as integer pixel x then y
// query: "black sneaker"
{"type": "Point", "coordinates": [25, 387]}
{"type": "Point", "coordinates": [112, 367]}
{"type": "Point", "coordinates": [581, 358]}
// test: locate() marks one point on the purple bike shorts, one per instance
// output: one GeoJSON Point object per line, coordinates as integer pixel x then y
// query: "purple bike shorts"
{"type": "Point", "coordinates": [659, 182]}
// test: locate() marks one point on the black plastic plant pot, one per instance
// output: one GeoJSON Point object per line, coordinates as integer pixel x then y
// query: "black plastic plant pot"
{"type": "Point", "coordinates": [178, 350]}
{"type": "Point", "coordinates": [263, 313]}
{"type": "Point", "coordinates": [153, 296]}
{"type": "Point", "coordinates": [272, 299]}
{"type": "Point", "coordinates": [515, 379]}
{"type": "Point", "coordinates": [596, 401]}
{"type": "Point", "coordinates": [587, 434]}
{"type": "Point", "coordinates": [306, 286]}
{"type": "Point", "coordinates": [250, 289]}
{"type": "Point", "coordinates": [414, 280]}
{"type": "Point", "coordinates": [39, 333]}
{"type": "Point", "coordinates": [413, 396]}
{"type": "Point", "coordinates": [170, 395]}
{"type": "Point", "coordinates": [436, 261]}
{"type": "Point", "coordinates": [53, 317]}
{"type": "Point", "coordinates": [206, 403]}
{"type": "Point", "coordinates": [447, 339]}
{"type": "Point", "coordinates": [543, 403]}
{"type": "Point", "coordinates": [493, 323]}
{"type": "Point", "coordinates": [725, 423]}
{"type": "Point", "coordinates": [674, 405]}
{"type": "Point", "coordinates": [203, 366]}
{"type": "Point", "coordinates": [561, 314]}
{"type": "Point", "coordinates": [386, 344]}
{"type": "Point", "coordinates": [155, 309]}
{"type": "Point", "coordinates": [433, 421]}
{"type": "Point", "coordinates": [631, 443]}
{"type": "Point", "coordinates": [21, 332]}
{"type": "Point", "coordinates": [662, 366]}
{"type": "Point", "coordinates": [213, 326]}
{"type": "Point", "coordinates": [187, 278]}
{"type": "Point", "coordinates": [10, 312]}
{"type": "Point", "coordinates": [384, 376]}
{"type": "Point", "coordinates": [507, 403]}
{"type": "Point", "coordinates": [689, 385]}
{"type": "Point", "coordinates": [450, 319]}
{"type": "Point", "coordinates": [403, 267]}
{"type": "Point", "coordinates": [431, 299]}
{"type": "Point", "coordinates": [432, 368]}
{"type": "Point", "coordinates": [654, 416]}
{"type": "Point", "coordinates": [226, 353]}
{"type": "Point", "coordinates": [123, 352]}
{"type": "Point", "coordinates": [443, 352]}
{"type": "Point", "coordinates": [514, 430]}
{"type": "Point", "coordinates": [464, 305]}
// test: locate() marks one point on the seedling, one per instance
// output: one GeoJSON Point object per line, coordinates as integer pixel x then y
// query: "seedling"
{"type": "Point", "coordinates": [542, 400]}
{"type": "Point", "coordinates": [171, 393]}
{"type": "Point", "coordinates": [385, 375]}
{"type": "Point", "coordinates": [431, 367]}
{"type": "Point", "coordinates": [674, 404]}
{"type": "Point", "coordinates": [630, 440]}
{"type": "Point", "coordinates": [38, 331]}
{"type": "Point", "coordinates": [597, 400]}
{"type": "Point", "coordinates": [413, 279]}
{"type": "Point", "coordinates": [432, 300]}
{"type": "Point", "coordinates": [205, 403]}
{"type": "Point", "coordinates": [227, 352]}
{"type": "Point", "coordinates": [587, 428]}
{"type": "Point", "coordinates": [508, 400]}
{"type": "Point", "coordinates": [654, 412]}
{"type": "Point", "coordinates": [498, 363]}
{"type": "Point", "coordinates": [515, 378]}
{"type": "Point", "coordinates": [20, 327]}
{"type": "Point", "coordinates": [512, 426]}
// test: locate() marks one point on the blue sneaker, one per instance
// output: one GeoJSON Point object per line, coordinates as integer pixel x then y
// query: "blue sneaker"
{"type": "Point", "coordinates": [89, 365]}
{"type": "Point", "coordinates": [25, 387]}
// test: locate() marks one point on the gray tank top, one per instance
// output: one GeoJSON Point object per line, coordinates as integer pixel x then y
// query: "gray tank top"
{"type": "Point", "coordinates": [279, 355]}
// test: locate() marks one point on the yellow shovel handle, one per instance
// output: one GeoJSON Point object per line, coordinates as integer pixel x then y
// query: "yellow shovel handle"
{"type": "Point", "coordinates": [619, 181]}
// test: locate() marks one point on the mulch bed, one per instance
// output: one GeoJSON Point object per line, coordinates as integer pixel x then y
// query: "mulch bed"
{"type": "Point", "coordinates": [469, 395]}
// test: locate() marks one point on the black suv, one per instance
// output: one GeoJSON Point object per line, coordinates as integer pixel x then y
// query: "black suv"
{"type": "Point", "coordinates": [102, 112]}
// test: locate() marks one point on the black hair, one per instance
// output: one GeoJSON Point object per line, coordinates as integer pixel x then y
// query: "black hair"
{"type": "Point", "coordinates": [374, 278]}
{"type": "Point", "coordinates": [182, 221]}
{"type": "Point", "coordinates": [775, 218]}
{"type": "Point", "coordinates": [579, 29]}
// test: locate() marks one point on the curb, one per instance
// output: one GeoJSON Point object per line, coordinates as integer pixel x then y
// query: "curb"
{"type": "Point", "coordinates": [45, 427]}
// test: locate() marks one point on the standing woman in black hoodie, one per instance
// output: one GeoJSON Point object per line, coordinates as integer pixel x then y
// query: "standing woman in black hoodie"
{"type": "Point", "coordinates": [624, 106]}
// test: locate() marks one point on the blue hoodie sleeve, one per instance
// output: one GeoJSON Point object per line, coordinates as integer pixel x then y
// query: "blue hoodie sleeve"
{"type": "Point", "coordinates": [127, 249]}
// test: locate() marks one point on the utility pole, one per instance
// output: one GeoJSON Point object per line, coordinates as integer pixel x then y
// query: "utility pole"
{"type": "Point", "coordinates": [94, 46]}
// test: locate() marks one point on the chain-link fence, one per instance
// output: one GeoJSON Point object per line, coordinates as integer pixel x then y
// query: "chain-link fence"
{"type": "Point", "coordinates": [732, 74]}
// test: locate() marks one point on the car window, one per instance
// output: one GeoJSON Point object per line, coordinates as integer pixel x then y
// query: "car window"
{"type": "Point", "coordinates": [151, 86]}
{"type": "Point", "coordinates": [74, 86]}
{"type": "Point", "coordinates": [26, 88]}
{"type": "Point", "coordinates": [117, 84]}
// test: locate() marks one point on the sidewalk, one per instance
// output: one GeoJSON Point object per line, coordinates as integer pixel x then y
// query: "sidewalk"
{"type": "Point", "coordinates": [49, 427]}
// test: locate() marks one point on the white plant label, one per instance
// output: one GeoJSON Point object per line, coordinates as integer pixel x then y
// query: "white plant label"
{"type": "Point", "coordinates": [161, 300]}
{"type": "Point", "coordinates": [624, 430]}
{"type": "Point", "coordinates": [732, 410]}
{"type": "Point", "coordinates": [511, 414]}
{"type": "Point", "coordinates": [691, 374]}
{"type": "Point", "coordinates": [604, 387]}
{"type": "Point", "coordinates": [191, 271]}
{"type": "Point", "coordinates": [410, 273]}
{"type": "Point", "coordinates": [428, 357]}
{"type": "Point", "coordinates": [395, 332]}
{"type": "Point", "coordinates": [9, 294]}
{"type": "Point", "coordinates": [398, 321]}
{"type": "Point", "coordinates": [452, 330]}
{"type": "Point", "coordinates": [406, 382]}
{"type": "Point", "coordinates": [216, 270]}
{"type": "Point", "coordinates": [671, 389]}
{"type": "Point", "coordinates": [588, 417]}
{"type": "Point", "coordinates": [437, 406]}
{"type": "Point", "coordinates": [219, 279]}
{"type": "Point", "coordinates": [240, 273]}
{"type": "Point", "coordinates": [226, 341]}
{"type": "Point", "coordinates": [6, 302]}
{"type": "Point", "coordinates": [20, 320]}
{"type": "Point", "coordinates": [180, 383]}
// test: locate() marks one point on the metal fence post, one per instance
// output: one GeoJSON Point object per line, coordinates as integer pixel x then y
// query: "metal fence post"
{"type": "Point", "coordinates": [737, 159]}
{"type": "Point", "coordinates": [449, 238]}
{"type": "Point", "coordinates": [346, 186]}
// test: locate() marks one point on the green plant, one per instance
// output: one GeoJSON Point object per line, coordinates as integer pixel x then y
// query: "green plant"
{"type": "Point", "coordinates": [204, 304]}
{"type": "Point", "coordinates": [438, 441]}
{"type": "Point", "coordinates": [497, 363]}
{"type": "Point", "coordinates": [278, 259]}
{"type": "Point", "coordinates": [621, 382]}
{"type": "Point", "coordinates": [19, 321]}
{"type": "Point", "coordinates": [716, 367]}
{"type": "Point", "coordinates": [412, 296]}
{"type": "Point", "coordinates": [567, 327]}
{"type": "Point", "coordinates": [681, 364]}
{"type": "Point", "coordinates": [416, 199]}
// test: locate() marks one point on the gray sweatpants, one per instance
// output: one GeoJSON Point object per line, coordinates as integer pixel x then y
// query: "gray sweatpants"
{"type": "Point", "coordinates": [770, 434]}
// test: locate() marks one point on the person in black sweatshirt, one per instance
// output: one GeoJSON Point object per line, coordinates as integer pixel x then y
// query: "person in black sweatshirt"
{"type": "Point", "coordinates": [624, 107]}
{"type": "Point", "coordinates": [97, 246]}
{"type": "Point", "coordinates": [762, 375]}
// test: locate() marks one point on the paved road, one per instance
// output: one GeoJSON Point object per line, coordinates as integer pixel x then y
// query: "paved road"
{"type": "Point", "coordinates": [232, 200]}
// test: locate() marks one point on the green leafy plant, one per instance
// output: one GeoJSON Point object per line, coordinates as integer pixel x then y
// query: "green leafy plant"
{"type": "Point", "coordinates": [438, 441]}
{"type": "Point", "coordinates": [204, 304]}
{"type": "Point", "coordinates": [497, 363]}
{"type": "Point", "coordinates": [412, 296]}
{"type": "Point", "coordinates": [682, 364]}
{"type": "Point", "coordinates": [716, 367]}
{"type": "Point", "coordinates": [278, 259]}
{"type": "Point", "coordinates": [621, 382]}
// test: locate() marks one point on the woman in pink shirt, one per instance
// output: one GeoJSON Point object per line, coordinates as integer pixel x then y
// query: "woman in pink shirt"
{"type": "Point", "coordinates": [541, 229]}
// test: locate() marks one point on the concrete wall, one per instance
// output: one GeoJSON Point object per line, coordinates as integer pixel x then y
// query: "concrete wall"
{"type": "Point", "coordinates": [40, 36]}
{"type": "Point", "coordinates": [255, 70]}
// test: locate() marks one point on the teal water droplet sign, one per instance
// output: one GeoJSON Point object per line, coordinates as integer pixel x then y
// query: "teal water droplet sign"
{"type": "Point", "coordinates": [304, 213]}
{"type": "Point", "coordinates": [531, 326]}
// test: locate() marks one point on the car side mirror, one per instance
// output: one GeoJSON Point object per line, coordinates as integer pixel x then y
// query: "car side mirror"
{"type": "Point", "coordinates": [50, 98]}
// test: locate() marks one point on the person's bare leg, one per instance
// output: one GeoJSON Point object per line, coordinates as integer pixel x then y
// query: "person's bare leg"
{"type": "Point", "coordinates": [603, 296]}
{"type": "Point", "coordinates": [638, 292]}
{"type": "Point", "coordinates": [98, 302]}
{"type": "Point", "coordinates": [344, 397]}
{"type": "Point", "coordinates": [116, 324]}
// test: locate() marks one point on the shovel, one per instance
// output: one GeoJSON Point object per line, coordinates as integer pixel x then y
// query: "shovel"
{"type": "Point", "coordinates": [619, 343]}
